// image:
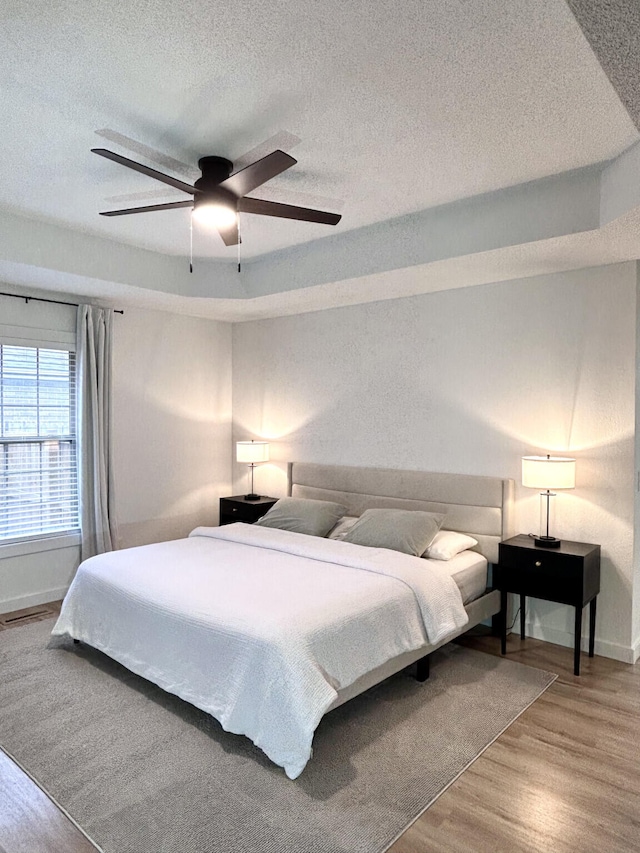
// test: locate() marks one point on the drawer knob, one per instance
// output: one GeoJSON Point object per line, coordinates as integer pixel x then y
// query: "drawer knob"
{"type": "Point", "coordinates": [234, 509]}
{"type": "Point", "coordinates": [538, 564]}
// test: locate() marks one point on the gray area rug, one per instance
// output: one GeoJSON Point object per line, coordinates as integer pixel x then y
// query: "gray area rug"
{"type": "Point", "coordinates": [144, 772]}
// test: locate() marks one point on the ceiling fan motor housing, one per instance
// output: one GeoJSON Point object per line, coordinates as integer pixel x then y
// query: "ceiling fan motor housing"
{"type": "Point", "coordinates": [214, 171]}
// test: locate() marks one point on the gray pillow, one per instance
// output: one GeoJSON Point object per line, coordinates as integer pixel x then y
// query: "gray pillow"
{"type": "Point", "coordinates": [302, 515]}
{"type": "Point", "coordinates": [405, 530]}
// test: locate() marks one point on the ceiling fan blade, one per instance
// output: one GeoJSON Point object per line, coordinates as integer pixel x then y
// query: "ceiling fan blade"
{"type": "Point", "coordinates": [145, 170]}
{"type": "Point", "coordinates": [287, 211]}
{"type": "Point", "coordinates": [282, 140]}
{"type": "Point", "coordinates": [142, 196]}
{"type": "Point", "coordinates": [148, 153]}
{"type": "Point", "coordinates": [170, 206]}
{"type": "Point", "coordinates": [283, 195]}
{"type": "Point", "coordinates": [258, 173]}
{"type": "Point", "coordinates": [229, 234]}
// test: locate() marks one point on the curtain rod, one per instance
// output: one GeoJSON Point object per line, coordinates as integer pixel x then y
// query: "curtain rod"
{"type": "Point", "coordinates": [52, 301]}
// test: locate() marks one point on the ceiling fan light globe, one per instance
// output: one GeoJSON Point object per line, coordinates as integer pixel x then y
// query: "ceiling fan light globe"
{"type": "Point", "coordinates": [215, 215]}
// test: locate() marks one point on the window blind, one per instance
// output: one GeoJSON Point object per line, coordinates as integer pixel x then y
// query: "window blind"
{"type": "Point", "coordinates": [38, 474]}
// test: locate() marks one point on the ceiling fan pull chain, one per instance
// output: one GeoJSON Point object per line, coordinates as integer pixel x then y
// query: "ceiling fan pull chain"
{"type": "Point", "coordinates": [191, 242]}
{"type": "Point", "coordinates": [239, 242]}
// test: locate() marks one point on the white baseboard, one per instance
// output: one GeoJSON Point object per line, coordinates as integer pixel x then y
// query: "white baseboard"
{"type": "Point", "coordinates": [11, 604]}
{"type": "Point", "coordinates": [625, 654]}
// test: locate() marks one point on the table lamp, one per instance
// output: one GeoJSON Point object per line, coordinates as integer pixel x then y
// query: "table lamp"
{"type": "Point", "coordinates": [252, 452]}
{"type": "Point", "coordinates": [548, 472]}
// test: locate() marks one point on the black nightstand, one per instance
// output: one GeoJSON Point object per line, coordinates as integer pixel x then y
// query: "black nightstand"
{"type": "Point", "coordinates": [237, 508]}
{"type": "Point", "coordinates": [569, 574]}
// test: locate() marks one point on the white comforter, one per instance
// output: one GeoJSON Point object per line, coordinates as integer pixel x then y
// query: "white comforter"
{"type": "Point", "coordinates": [259, 627]}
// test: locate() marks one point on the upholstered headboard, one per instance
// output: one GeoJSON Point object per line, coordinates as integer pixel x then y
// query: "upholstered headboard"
{"type": "Point", "coordinates": [479, 506]}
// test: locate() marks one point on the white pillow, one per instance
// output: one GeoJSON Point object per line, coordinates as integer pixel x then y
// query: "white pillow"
{"type": "Point", "coordinates": [447, 543]}
{"type": "Point", "coordinates": [342, 527]}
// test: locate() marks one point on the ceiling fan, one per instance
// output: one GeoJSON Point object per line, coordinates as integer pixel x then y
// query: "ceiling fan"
{"type": "Point", "coordinates": [219, 195]}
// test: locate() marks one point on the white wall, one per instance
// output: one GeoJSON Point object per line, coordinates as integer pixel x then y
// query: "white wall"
{"type": "Point", "coordinates": [172, 437]}
{"type": "Point", "coordinates": [467, 381]}
{"type": "Point", "coordinates": [636, 543]}
{"type": "Point", "coordinates": [172, 423]}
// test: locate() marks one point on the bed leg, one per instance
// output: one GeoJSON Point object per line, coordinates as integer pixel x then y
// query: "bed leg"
{"type": "Point", "coordinates": [422, 668]}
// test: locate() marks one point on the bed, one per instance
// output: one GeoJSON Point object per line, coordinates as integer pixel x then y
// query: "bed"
{"type": "Point", "coordinates": [268, 630]}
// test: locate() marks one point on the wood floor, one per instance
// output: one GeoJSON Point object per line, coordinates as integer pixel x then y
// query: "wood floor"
{"type": "Point", "coordinates": [564, 778]}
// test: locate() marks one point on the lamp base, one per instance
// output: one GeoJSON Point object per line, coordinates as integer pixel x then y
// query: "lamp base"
{"type": "Point", "coordinates": [253, 497]}
{"type": "Point", "coordinates": [547, 542]}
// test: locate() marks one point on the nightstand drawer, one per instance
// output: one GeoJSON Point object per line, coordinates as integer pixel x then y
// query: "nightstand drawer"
{"type": "Point", "coordinates": [546, 581]}
{"type": "Point", "coordinates": [240, 512]}
{"type": "Point", "coordinates": [541, 560]}
{"type": "Point", "coordinates": [238, 509]}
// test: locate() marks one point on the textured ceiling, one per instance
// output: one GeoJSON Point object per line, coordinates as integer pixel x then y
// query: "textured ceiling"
{"type": "Point", "coordinates": [391, 109]}
{"type": "Point", "coordinates": [613, 30]}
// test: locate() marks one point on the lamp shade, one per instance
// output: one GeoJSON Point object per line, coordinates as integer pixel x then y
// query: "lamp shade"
{"type": "Point", "coordinates": [252, 451]}
{"type": "Point", "coordinates": [548, 472]}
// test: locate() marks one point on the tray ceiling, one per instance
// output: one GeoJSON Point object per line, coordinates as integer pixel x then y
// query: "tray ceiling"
{"type": "Point", "coordinates": [391, 110]}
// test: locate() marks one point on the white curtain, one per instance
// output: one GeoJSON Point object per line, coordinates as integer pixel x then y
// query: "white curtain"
{"type": "Point", "coordinates": [93, 385]}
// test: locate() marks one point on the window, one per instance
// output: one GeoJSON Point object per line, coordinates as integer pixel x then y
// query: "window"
{"type": "Point", "coordinates": [38, 476]}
